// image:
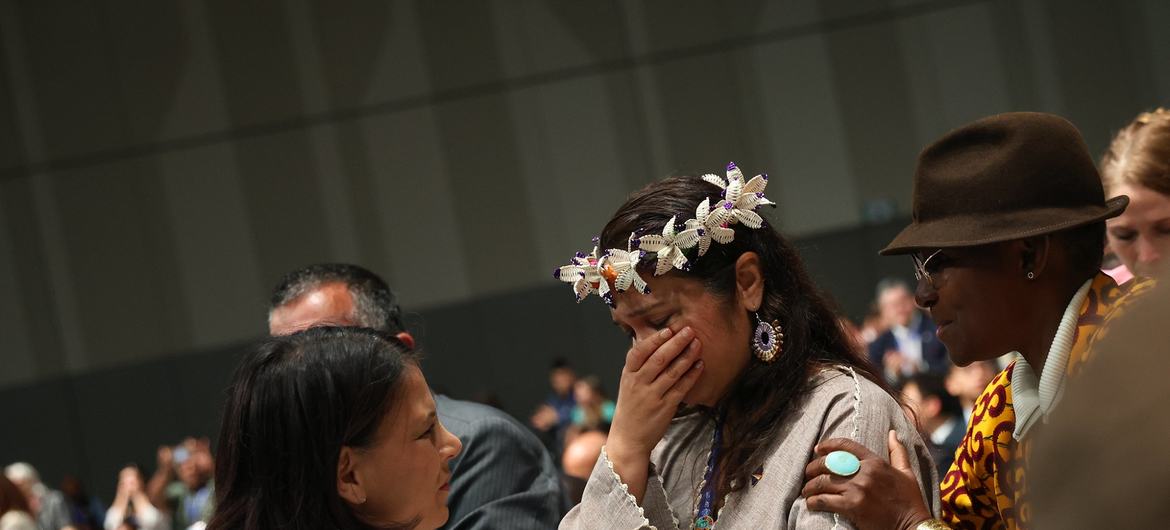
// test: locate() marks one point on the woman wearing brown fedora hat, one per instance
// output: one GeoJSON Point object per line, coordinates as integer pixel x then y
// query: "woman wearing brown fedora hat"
{"type": "Point", "coordinates": [1006, 240]}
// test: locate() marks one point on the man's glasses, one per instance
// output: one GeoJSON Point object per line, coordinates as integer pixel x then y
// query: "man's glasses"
{"type": "Point", "coordinates": [920, 264]}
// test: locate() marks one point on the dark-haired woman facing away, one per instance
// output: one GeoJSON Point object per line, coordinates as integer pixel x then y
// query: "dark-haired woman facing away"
{"type": "Point", "coordinates": [331, 428]}
{"type": "Point", "coordinates": [723, 317]}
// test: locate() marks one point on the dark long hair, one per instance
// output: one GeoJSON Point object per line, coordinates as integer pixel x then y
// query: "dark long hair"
{"type": "Point", "coordinates": [293, 404]}
{"type": "Point", "coordinates": [765, 395]}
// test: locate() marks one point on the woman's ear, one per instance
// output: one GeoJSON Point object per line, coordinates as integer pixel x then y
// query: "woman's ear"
{"type": "Point", "coordinates": [349, 486]}
{"type": "Point", "coordinates": [749, 281]}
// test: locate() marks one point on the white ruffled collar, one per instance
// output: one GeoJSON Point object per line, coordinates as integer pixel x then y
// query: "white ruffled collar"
{"type": "Point", "coordinates": [1033, 397]}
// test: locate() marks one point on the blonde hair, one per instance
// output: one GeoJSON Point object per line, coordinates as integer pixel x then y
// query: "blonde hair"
{"type": "Point", "coordinates": [1140, 154]}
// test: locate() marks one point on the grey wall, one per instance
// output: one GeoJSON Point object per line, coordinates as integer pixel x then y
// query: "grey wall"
{"type": "Point", "coordinates": [162, 163]}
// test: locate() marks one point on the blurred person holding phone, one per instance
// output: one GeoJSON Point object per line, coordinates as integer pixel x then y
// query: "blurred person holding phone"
{"type": "Point", "coordinates": [182, 485]}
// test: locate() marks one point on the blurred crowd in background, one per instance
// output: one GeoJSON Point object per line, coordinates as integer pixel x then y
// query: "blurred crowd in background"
{"type": "Point", "coordinates": [179, 494]}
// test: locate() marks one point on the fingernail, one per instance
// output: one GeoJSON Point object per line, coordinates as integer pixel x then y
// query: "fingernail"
{"type": "Point", "coordinates": [694, 344]}
{"type": "Point", "coordinates": [666, 332]}
{"type": "Point", "coordinates": [687, 331]}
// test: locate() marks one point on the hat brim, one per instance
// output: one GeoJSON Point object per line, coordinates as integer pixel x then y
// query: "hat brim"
{"type": "Point", "coordinates": [976, 230]}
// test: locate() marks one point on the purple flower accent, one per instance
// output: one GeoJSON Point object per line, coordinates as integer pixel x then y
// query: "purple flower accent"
{"type": "Point", "coordinates": [759, 195]}
{"type": "Point", "coordinates": [557, 273]}
{"type": "Point", "coordinates": [727, 206]}
{"type": "Point", "coordinates": [730, 166]}
{"type": "Point", "coordinates": [596, 239]}
{"type": "Point", "coordinates": [702, 232]}
{"type": "Point", "coordinates": [635, 243]}
{"type": "Point", "coordinates": [765, 175]}
{"type": "Point", "coordinates": [580, 254]}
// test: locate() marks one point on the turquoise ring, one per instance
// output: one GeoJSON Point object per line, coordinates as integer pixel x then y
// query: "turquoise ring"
{"type": "Point", "coordinates": [842, 463]}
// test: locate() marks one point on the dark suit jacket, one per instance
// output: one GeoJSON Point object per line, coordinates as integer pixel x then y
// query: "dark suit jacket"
{"type": "Point", "coordinates": [944, 453]}
{"type": "Point", "coordinates": [934, 354]}
{"type": "Point", "coordinates": [503, 478]}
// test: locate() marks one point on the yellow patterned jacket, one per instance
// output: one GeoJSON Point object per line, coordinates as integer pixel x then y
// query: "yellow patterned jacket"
{"type": "Point", "coordinates": [984, 488]}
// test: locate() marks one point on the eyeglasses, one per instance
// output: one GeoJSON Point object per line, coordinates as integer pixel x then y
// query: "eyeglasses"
{"type": "Point", "coordinates": [920, 265]}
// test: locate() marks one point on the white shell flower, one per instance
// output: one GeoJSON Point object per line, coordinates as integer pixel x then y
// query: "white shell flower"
{"type": "Point", "coordinates": [667, 245]}
{"type": "Point", "coordinates": [620, 267]}
{"type": "Point", "coordinates": [583, 273]}
{"type": "Point", "coordinates": [706, 226]}
{"type": "Point", "coordinates": [741, 199]}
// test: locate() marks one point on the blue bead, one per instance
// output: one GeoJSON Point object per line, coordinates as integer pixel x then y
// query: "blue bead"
{"type": "Point", "coordinates": [842, 463]}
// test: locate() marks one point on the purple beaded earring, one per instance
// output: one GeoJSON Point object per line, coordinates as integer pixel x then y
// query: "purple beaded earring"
{"type": "Point", "coordinates": [768, 339]}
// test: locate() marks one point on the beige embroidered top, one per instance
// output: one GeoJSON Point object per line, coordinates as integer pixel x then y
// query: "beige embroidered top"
{"type": "Point", "coordinates": [679, 461]}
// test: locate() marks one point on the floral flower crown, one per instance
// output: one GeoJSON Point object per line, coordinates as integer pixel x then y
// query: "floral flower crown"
{"type": "Point", "coordinates": [616, 269]}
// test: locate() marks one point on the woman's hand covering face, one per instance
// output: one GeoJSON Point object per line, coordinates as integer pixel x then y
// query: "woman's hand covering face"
{"type": "Point", "coordinates": [659, 371]}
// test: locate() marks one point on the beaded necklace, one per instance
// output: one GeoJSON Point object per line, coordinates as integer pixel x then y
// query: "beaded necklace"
{"type": "Point", "coordinates": [705, 515]}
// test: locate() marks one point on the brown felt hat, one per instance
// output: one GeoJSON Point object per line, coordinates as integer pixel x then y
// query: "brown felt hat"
{"type": "Point", "coordinates": [1004, 177]}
